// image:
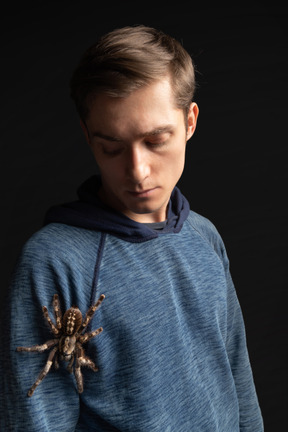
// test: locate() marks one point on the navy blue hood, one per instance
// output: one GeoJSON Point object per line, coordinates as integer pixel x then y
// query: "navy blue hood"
{"type": "Point", "coordinates": [90, 213]}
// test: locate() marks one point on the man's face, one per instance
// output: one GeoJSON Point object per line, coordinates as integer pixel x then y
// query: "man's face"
{"type": "Point", "coordinates": [139, 145]}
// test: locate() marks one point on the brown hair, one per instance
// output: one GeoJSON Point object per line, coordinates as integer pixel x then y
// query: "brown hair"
{"type": "Point", "coordinates": [127, 59]}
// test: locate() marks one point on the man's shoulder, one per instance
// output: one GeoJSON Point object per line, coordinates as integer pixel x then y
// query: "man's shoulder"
{"type": "Point", "coordinates": [204, 227]}
{"type": "Point", "coordinates": [201, 223]}
{"type": "Point", "coordinates": [58, 238]}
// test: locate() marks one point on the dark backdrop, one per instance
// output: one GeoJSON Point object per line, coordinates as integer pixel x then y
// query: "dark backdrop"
{"type": "Point", "coordinates": [236, 168]}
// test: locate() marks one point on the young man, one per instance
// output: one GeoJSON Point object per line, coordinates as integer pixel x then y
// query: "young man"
{"type": "Point", "coordinates": [172, 355]}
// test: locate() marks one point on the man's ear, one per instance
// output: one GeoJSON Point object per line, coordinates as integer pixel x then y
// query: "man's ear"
{"type": "Point", "coordinates": [192, 119]}
{"type": "Point", "coordinates": [85, 131]}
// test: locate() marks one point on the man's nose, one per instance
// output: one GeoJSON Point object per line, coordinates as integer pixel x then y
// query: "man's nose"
{"type": "Point", "coordinates": [138, 166]}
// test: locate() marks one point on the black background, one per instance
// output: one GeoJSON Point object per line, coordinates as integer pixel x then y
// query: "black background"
{"type": "Point", "coordinates": [236, 169]}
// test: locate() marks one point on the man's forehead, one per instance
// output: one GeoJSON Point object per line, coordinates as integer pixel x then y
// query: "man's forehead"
{"type": "Point", "coordinates": [162, 86]}
{"type": "Point", "coordinates": [147, 111]}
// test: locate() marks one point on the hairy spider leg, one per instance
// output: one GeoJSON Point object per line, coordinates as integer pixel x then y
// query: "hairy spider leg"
{"type": "Point", "coordinates": [39, 348]}
{"type": "Point", "coordinates": [70, 364]}
{"type": "Point", "coordinates": [77, 371]}
{"type": "Point", "coordinates": [54, 329]}
{"type": "Point", "coordinates": [91, 312]}
{"type": "Point", "coordinates": [86, 361]}
{"type": "Point", "coordinates": [56, 360]}
{"type": "Point", "coordinates": [57, 311]}
{"type": "Point", "coordinates": [87, 336]}
{"type": "Point", "coordinates": [82, 360]}
{"type": "Point", "coordinates": [44, 371]}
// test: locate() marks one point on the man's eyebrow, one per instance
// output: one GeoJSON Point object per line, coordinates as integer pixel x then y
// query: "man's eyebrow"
{"type": "Point", "coordinates": [157, 131]}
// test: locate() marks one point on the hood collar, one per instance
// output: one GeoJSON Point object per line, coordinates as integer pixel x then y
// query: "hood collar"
{"type": "Point", "coordinates": [89, 212]}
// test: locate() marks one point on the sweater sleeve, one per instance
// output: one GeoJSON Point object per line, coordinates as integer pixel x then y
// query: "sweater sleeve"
{"type": "Point", "coordinates": [55, 403]}
{"type": "Point", "coordinates": [250, 418]}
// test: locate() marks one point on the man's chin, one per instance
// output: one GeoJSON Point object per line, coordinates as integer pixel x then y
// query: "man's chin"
{"type": "Point", "coordinates": [146, 214]}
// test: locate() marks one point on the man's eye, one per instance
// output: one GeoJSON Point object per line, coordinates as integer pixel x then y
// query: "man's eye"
{"type": "Point", "coordinates": [111, 152]}
{"type": "Point", "coordinates": [156, 144]}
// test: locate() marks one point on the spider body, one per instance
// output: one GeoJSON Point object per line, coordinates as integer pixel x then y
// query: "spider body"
{"type": "Point", "coordinates": [69, 336]}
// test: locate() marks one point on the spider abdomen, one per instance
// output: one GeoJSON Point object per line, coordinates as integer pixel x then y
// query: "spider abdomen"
{"type": "Point", "coordinates": [72, 321]}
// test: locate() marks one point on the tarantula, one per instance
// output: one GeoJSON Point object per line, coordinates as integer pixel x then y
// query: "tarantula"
{"type": "Point", "coordinates": [68, 341]}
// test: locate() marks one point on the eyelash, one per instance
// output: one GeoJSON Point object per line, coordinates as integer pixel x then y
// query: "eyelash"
{"type": "Point", "coordinates": [150, 144]}
{"type": "Point", "coordinates": [156, 145]}
{"type": "Point", "coordinates": [111, 152]}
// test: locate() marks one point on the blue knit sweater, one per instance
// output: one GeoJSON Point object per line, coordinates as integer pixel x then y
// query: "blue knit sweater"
{"type": "Point", "coordinates": [172, 355]}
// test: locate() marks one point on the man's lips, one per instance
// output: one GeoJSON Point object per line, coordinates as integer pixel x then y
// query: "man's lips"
{"type": "Point", "coordinates": [143, 193]}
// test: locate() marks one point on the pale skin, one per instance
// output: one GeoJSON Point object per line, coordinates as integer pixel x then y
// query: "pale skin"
{"type": "Point", "coordinates": [139, 145]}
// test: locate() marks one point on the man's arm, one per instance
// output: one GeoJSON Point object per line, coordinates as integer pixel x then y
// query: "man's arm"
{"type": "Point", "coordinates": [236, 347]}
{"type": "Point", "coordinates": [249, 411]}
{"type": "Point", "coordinates": [55, 402]}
